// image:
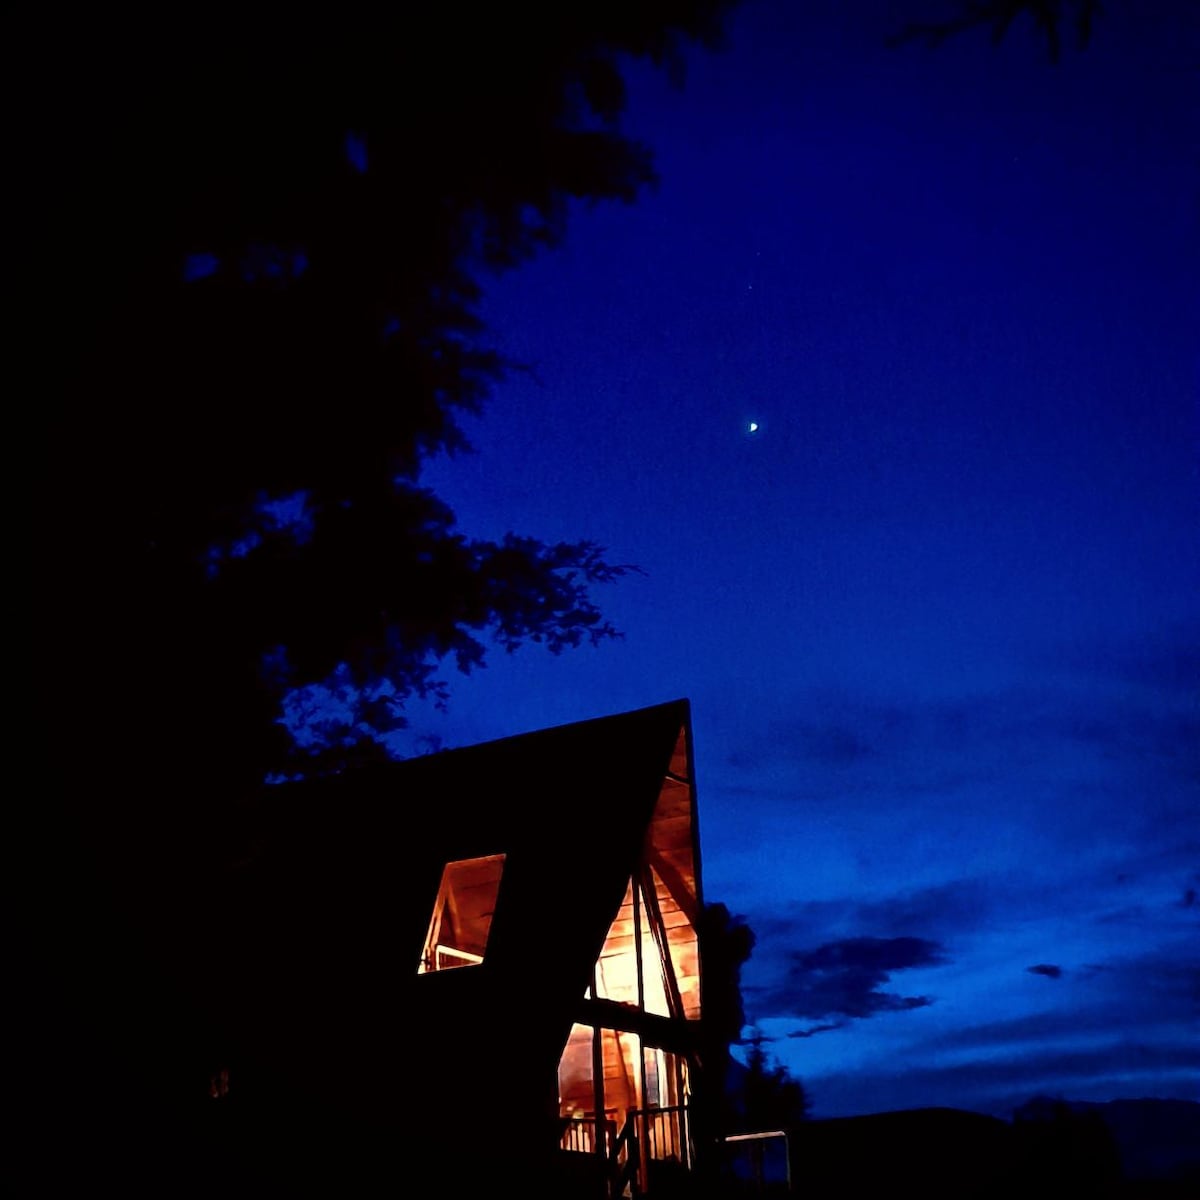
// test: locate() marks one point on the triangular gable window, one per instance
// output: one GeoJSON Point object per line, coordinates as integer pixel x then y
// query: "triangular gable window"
{"type": "Point", "coordinates": [462, 914]}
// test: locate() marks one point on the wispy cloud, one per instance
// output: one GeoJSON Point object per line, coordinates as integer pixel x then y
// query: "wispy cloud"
{"type": "Point", "coordinates": [1124, 711]}
{"type": "Point", "coordinates": [1124, 1026]}
{"type": "Point", "coordinates": [1033, 848]}
{"type": "Point", "coordinates": [1117, 1067]}
{"type": "Point", "coordinates": [1166, 662]}
{"type": "Point", "coordinates": [813, 1030]}
{"type": "Point", "coordinates": [848, 977]}
{"type": "Point", "coordinates": [1050, 970]}
{"type": "Point", "coordinates": [942, 911]}
{"type": "Point", "coordinates": [918, 746]}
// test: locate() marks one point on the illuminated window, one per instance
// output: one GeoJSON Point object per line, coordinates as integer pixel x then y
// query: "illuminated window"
{"type": "Point", "coordinates": [462, 914]}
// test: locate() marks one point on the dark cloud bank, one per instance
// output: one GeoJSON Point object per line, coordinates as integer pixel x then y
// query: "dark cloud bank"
{"type": "Point", "coordinates": [1048, 969]}
{"type": "Point", "coordinates": [846, 979]}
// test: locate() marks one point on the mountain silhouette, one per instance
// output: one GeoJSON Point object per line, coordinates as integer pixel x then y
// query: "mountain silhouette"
{"type": "Point", "coordinates": [1155, 1139]}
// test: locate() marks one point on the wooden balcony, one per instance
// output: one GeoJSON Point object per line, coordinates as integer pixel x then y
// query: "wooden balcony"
{"type": "Point", "coordinates": [652, 1142]}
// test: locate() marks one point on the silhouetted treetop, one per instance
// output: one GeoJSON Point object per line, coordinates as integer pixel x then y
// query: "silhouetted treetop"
{"type": "Point", "coordinates": [769, 1097]}
{"type": "Point", "coordinates": [263, 234]}
{"type": "Point", "coordinates": [727, 943]}
{"type": "Point", "coordinates": [1049, 17]}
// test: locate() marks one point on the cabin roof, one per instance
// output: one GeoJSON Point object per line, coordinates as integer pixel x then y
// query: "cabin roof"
{"type": "Point", "coordinates": [333, 910]}
{"type": "Point", "coordinates": [569, 806]}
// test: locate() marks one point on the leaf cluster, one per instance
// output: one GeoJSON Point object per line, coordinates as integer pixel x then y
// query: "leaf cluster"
{"type": "Point", "coordinates": [264, 236]}
{"type": "Point", "coordinates": [1048, 16]}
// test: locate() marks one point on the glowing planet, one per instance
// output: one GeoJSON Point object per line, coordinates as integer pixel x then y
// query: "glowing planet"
{"type": "Point", "coordinates": [753, 428]}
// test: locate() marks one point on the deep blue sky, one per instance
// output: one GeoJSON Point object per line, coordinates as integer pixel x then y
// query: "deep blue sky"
{"type": "Point", "coordinates": [938, 616]}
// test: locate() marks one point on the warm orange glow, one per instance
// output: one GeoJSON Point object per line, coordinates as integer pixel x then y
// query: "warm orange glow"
{"type": "Point", "coordinates": [667, 905]}
{"type": "Point", "coordinates": [462, 914]}
{"type": "Point", "coordinates": [575, 1094]}
{"type": "Point", "coordinates": [650, 960]}
{"type": "Point", "coordinates": [616, 969]}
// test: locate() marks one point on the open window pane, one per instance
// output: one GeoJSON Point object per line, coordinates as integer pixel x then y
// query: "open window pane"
{"type": "Point", "coordinates": [462, 914]}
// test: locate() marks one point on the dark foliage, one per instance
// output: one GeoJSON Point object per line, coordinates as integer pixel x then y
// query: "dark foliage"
{"type": "Point", "coordinates": [250, 245]}
{"type": "Point", "coordinates": [1049, 17]}
{"type": "Point", "coordinates": [259, 237]}
{"type": "Point", "coordinates": [770, 1098]}
{"type": "Point", "coordinates": [727, 942]}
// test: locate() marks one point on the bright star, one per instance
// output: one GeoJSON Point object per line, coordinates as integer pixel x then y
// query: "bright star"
{"type": "Point", "coordinates": [753, 426]}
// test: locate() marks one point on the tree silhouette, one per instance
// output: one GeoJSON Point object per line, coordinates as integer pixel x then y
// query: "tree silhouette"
{"type": "Point", "coordinates": [1048, 17]}
{"type": "Point", "coordinates": [770, 1098]}
{"type": "Point", "coordinates": [760, 1096]}
{"type": "Point", "coordinates": [253, 240]}
{"type": "Point", "coordinates": [726, 943]}
{"type": "Point", "coordinates": [260, 242]}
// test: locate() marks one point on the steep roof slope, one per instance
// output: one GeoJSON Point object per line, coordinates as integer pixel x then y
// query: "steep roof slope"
{"type": "Point", "coordinates": [328, 920]}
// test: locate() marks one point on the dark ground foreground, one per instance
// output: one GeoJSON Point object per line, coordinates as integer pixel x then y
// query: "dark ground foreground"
{"type": "Point", "coordinates": [928, 1153]}
{"type": "Point", "coordinates": [95, 1105]}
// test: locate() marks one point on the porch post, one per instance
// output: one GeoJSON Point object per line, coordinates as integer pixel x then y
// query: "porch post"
{"type": "Point", "coordinates": [598, 1084]}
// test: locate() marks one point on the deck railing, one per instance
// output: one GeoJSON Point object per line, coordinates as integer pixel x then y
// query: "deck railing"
{"type": "Point", "coordinates": [650, 1135]}
{"type": "Point", "coordinates": [586, 1134]}
{"type": "Point", "coordinates": [663, 1133]}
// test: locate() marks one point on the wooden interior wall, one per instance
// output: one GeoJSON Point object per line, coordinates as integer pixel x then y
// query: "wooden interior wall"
{"type": "Point", "coordinates": [671, 856]}
{"type": "Point", "coordinates": [667, 909]}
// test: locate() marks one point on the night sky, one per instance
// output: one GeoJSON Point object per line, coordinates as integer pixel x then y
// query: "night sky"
{"type": "Point", "coordinates": [937, 614]}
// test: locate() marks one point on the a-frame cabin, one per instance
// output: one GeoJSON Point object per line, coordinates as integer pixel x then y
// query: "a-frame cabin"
{"type": "Point", "coordinates": [492, 951]}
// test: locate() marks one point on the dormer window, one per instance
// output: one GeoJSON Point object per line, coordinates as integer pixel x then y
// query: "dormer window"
{"type": "Point", "coordinates": [462, 914]}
